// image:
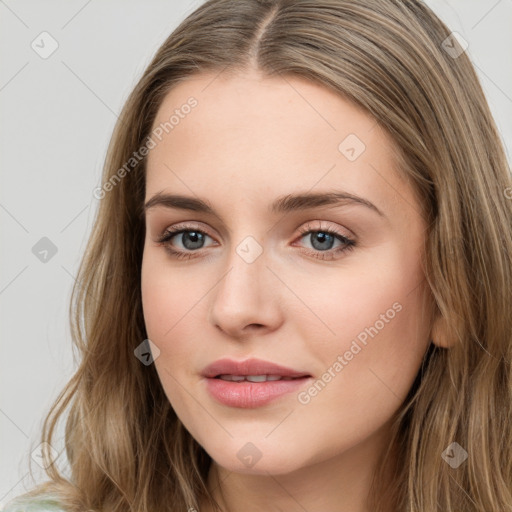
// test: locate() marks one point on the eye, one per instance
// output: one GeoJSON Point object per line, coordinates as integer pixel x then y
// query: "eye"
{"type": "Point", "coordinates": [193, 239]}
{"type": "Point", "coordinates": [190, 237]}
{"type": "Point", "coordinates": [322, 240]}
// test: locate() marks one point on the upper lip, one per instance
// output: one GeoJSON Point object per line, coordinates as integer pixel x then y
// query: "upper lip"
{"type": "Point", "coordinates": [249, 367]}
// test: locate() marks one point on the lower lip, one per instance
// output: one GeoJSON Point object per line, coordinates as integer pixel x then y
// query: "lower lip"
{"type": "Point", "coordinates": [247, 394]}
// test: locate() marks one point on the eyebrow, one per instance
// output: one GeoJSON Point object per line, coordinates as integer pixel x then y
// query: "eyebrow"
{"type": "Point", "coordinates": [283, 204]}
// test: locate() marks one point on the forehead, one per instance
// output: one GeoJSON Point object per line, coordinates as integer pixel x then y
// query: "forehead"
{"type": "Point", "coordinates": [266, 136]}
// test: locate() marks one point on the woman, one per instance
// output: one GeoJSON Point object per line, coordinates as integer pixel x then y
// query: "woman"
{"type": "Point", "coordinates": [233, 356]}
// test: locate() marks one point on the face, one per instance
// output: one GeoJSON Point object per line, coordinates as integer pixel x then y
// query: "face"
{"type": "Point", "coordinates": [332, 290]}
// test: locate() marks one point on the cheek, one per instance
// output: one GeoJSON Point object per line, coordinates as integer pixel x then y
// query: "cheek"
{"type": "Point", "coordinates": [169, 302]}
{"type": "Point", "coordinates": [346, 301]}
{"type": "Point", "coordinates": [374, 337]}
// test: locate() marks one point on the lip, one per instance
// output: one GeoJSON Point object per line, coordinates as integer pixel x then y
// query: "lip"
{"type": "Point", "coordinates": [250, 394]}
{"type": "Point", "coordinates": [249, 367]}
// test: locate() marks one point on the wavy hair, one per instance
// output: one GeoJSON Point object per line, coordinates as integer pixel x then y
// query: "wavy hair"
{"type": "Point", "coordinates": [126, 448]}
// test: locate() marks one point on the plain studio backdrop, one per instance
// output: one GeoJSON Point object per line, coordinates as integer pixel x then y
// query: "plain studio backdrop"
{"type": "Point", "coordinates": [66, 69]}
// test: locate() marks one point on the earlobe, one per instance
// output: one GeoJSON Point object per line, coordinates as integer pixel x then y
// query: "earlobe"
{"type": "Point", "coordinates": [440, 334]}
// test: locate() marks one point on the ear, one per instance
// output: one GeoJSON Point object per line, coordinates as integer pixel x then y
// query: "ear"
{"type": "Point", "coordinates": [440, 333]}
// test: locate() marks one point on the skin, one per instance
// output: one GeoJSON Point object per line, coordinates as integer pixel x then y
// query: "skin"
{"type": "Point", "coordinates": [249, 140]}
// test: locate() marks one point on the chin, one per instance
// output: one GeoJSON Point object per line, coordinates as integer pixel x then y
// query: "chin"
{"type": "Point", "coordinates": [251, 459]}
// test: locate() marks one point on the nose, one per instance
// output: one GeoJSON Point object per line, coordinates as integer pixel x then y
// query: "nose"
{"type": "Point", "coordinates": [247, 299]}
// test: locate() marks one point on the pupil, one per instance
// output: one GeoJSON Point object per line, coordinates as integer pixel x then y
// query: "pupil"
{"type": "Point", "coordinates": [325, 240]}
{"type": "Point", "coordinates": [195, 237]}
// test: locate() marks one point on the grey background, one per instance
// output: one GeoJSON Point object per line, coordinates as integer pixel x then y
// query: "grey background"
{"type": "Point", "coordinates": [57, 117]}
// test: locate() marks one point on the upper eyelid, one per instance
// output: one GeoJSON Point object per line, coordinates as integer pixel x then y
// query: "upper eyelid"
{"type": "Point", "coordinates": [185, 226]}
{"type": "Point", "coordinates": [304, 229]}
{"type": "Point", "coordinates": [176, 229]}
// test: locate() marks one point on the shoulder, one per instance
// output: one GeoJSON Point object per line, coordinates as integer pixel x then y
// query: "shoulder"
{"type": "Point", "coordinates": [33, 504]}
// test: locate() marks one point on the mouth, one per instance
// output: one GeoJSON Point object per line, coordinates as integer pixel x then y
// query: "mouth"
{"type": "Point", "coordinates": [252, 382]}
{"type": "Point", "coordinates": [252, 391]}
{"type": "Point", "coordinates": [253, 370]}
{"type": "Point", "coordinates": [256, 378]}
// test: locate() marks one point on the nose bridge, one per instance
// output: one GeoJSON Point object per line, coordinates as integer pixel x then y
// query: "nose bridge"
{"type": "Point", "coordinates": [246, 266]}
{"type": "Point", "coordinates": [244, 295]}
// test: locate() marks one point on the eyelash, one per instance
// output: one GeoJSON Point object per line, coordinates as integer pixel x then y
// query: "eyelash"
{"type": "Point", "coordinates": [168, 234]}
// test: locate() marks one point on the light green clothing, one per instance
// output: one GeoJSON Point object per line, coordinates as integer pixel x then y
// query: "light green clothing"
{"type": "Point", "coordinates": [41, 503]}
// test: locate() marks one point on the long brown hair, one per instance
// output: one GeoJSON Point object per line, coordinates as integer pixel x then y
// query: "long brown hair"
{"type": "Point", "coordinates": [127, 449]}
